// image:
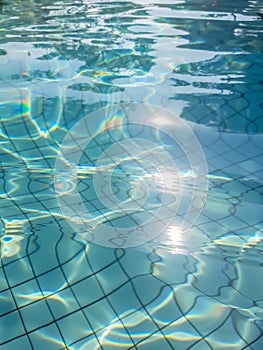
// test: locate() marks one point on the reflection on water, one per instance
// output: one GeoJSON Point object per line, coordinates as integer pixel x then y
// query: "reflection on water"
{"type": "Point", "coordinates": [200, 61]}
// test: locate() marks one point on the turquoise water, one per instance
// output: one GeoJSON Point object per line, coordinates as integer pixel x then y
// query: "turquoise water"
{"type": "Point", "coordinates": [131, 175]}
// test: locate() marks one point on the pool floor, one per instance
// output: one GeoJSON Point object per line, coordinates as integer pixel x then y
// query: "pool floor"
{"type": "Point", "coordinates": [131, 175]}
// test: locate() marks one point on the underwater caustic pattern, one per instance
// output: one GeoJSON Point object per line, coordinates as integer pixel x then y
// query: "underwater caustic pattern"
{"type": "Point", "coordinates": [131, 158]}
{"type": "Point", "coordinates": [134, 177]}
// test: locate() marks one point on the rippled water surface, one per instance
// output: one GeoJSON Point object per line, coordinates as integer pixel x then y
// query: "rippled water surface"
{"type": "Point", "coordinates": [131, 175]}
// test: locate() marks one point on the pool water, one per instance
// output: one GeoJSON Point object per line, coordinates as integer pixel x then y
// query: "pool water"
{"type": "Point", "coordinates": [131, 175]}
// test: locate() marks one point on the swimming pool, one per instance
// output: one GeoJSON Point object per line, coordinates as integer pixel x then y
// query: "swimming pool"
{"type": "Point", "coordinates": [131, 175]}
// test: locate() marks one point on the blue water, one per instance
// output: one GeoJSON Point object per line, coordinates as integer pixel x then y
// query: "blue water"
{"type": "Point", "coordinates": [131, 175]}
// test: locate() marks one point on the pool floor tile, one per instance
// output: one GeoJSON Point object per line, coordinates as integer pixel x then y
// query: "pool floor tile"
{"type": "Point", "coordinates": [124, 300]}
{"type": "Point", "coordinates": [112, 278]}
{"type": "Point", "coordinates": [62, 303]}
{"type": "Point", "coordinates": [6, 302]}
{"type": "Point", "coordinates": [47, 338]}
{"type": "Point", "coordinates": [18, 271]}
{"type": "Point", "coordinates": [100, 314]}
{"type": "Point", "coordinates": [36, 315]}
{"type": "Point", "coordinates": [74, 327]}
{"type": "Point", "coordinates": [52, 281]}
{"type": "Point", "coordinates": [10, 326]}
{"type": "Point", "coordinates": [26, 293]}
{"type": "Point", "coordinates": [87, 291]}
{"type": "Point", "coordinates": [17, 344]}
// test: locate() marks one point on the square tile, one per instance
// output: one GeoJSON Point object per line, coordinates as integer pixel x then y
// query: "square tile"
{"type": "Point", "coordinates": [134, 262]}
{"type": "Point", "coordinates": [3, 283]}
{"type": "Point", "coordinates": [171, 267]}
{"type": "Point", "coordinates": [62, 303]}
{"type": "Point", "coordinates": [164, 308]}
{"type": "Point", "coordinates": [26, 293]}
{"type": "Point", "coordinates": [18, 271]}
{"type": "Point", "coordinates": [139, 325]}
{"type": "Point", "coordinates": [214, 277]}
{"type": "Point", "coordinates": [114, 336]}
{"type": "Point", "coordinates": [52, 280]}
{"type": "Point", "coordinates": [100, 314]}
{"type": "Point", "coordinates": [19, 343]}
{"type": "Point", "coordinates": [45, 259]}
{"type": "Point", "coordinates": [77, 268]}
{"type": "Point", "coordinates": [68, 248]}
{"type": "Point", "coordinates": [147, 288]}
{"type": "Point", "coordinates": [6, 302]}
{"type": "Point", "coordinates": [11, 326]}
{"type": "Point", "coordinates": [100, 257]}
{"type": "Point", "coordinates": [74, 327]}
{"type": "Point", "coordinates": [181, 334]}
{"type": "Point", "coordinates": [124, 300]}
{"type": "Point", "coordinates": [87, 291]}
{"type": "Point", "coordinates": [225, 333]}
{"type": "Point", "coordinates": [47, 338]}
{"type": "Point", "coordinates": [112, 278]}
{"type": "Point", "coordinates": [36, 315]}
